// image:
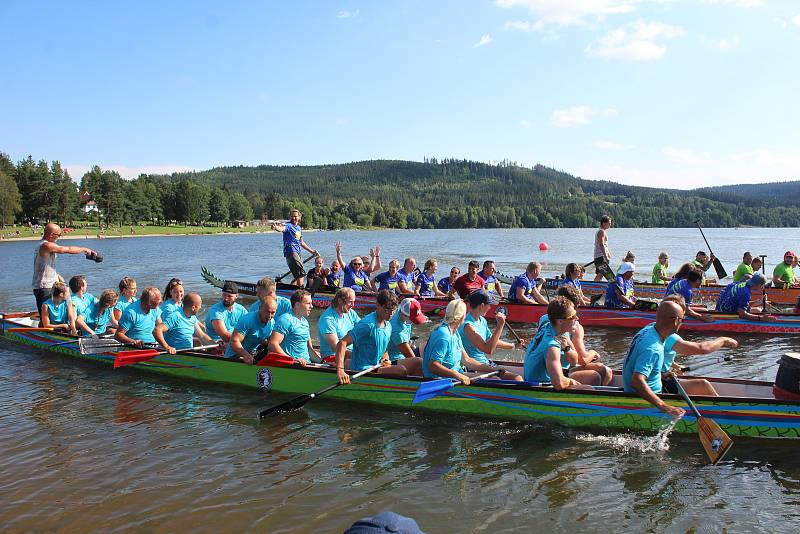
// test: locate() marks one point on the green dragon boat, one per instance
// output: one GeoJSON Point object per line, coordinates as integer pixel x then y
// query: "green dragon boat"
{"type": "Point", "coordinates": [744, 408]}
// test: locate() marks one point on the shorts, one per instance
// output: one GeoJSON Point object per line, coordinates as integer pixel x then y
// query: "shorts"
{"type": "Point", "coordinates": [42, 295]}
{"type": "Point", "coordinates": [600, 266]}
{"type": "Point", "coordinates": [668, 385]}
{"type": "Point", "coordinates": [296, 265]}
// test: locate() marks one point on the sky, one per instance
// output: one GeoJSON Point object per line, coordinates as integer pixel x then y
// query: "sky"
{"type": "Point", "coordinates": [660, 93]}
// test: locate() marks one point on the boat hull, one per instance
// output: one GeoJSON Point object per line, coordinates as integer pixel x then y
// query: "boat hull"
{"type": "Point", "coordinates": [619, 411]}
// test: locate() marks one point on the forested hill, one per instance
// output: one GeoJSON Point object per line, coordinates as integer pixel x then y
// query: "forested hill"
{"type": "Point", "coordinates": [774, 194]}
{"type": "Point", "coordinates": [465, 194]}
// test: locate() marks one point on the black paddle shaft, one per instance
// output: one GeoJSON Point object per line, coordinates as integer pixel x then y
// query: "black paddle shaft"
{"type": "Point", "coordinates": [721, 273]}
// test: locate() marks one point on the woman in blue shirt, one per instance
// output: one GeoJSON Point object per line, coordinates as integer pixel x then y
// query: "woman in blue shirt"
{"type": "Point", "coordinates": [425, 284]}
{"type": "Point", "coordinates": [57, 311]}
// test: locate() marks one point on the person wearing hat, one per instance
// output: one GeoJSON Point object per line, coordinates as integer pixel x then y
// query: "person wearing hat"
{"type": "Point", "coordinates": [370, 339]}
{"type": "Point", "coordinates": [385, 522]}
{"type": "Point", "coordinates": [223, 316]}
{"type": "Point", "coordinates": [478, 339]}
{"type": "Point", "coordinates": [140, 319]}
{"type": "Point", "coordinates": [736, 297]}
{"type": "Point", "coordinates": [783, 275]}
{"type": "Point", "coordinates": [408, 313]}
{"type": "Point", "coordinates": [620, 292]}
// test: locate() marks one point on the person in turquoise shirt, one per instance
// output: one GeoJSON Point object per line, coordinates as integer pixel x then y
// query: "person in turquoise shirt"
{"type": "Point", "coordinates": [292, 335]}
{"type": "Point", "coordinates": [57, 311]}
{"type": "Point", "coordinates": [408, 313]}
{"type": "Point", "coordinates": [173, 298]}
{"type": "Point", "coordinates": [252, 331]}
{"type": "Point", "coordinates": [98, 316]}
{"type": "Point", "coordinates": [223, 316]}
{"type": "Point", "coordinates": [80, 297]}
{"type": "Point", "coordinates": [127, 296]}
{"type": "Point", "coordinates": [641, 370]}
{"type": "Point", "coordinates": [266, 287]}
{"type": "Point", "coordinates": [177, 330]}
{"type": "Point", "coordinates": [370, 339]}
{"type": "Point", "coordinates": [477, 338]}
{"type": "Point", "coordinates": [444, 354]}
{"type": "Point", "coordinates": [336, 321]}
{"type": "Point", "coordinates": [140, 319]}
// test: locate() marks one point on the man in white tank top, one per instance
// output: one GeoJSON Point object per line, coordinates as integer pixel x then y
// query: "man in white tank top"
{"type": "Point", "coordinates": [44, 262]}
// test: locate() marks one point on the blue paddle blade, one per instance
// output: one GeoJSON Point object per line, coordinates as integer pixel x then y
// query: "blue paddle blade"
{"type": "Point", "coordinates": [426, 390]}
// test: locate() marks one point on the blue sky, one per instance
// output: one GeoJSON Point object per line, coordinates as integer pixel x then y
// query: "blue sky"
{"type": "Point", "coordinates": [666, 93]}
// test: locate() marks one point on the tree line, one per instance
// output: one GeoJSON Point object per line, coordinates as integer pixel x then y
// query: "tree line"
{"type": "Point", "coordinates": [434, 193]}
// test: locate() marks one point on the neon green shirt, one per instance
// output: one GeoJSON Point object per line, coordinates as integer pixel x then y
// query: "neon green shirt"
{"type": "Point", "coordinates": [741, 271]}
{"type": "Point", "coordinates": [784, 272]}
{"type": "Point", "coordinates": [659, 274]}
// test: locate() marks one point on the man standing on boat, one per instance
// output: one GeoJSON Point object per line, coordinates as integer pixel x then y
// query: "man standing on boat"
{"type": "Point", "coordinates": [140, 319]}
{"type": "Point", "coordinates": [292, 242]}
{"type": "Point", "coordinates": [44, 262]}
{"type": "Point", "coordinates": [641, 371]}
{"type": "Point", "coordinates": [602, 256]}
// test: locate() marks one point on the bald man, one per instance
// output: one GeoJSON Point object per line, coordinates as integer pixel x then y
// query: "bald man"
{"type": "Point", "coordinates": [177, 331]}
{"type": "Point", "coordinates": [44, 262]}
{"type": "Point", "coordinates": [641, 372]}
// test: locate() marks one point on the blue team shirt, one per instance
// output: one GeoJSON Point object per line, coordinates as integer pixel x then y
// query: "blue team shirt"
{"type": "Point", "coordinates": [292, 235]}
{"type": "Point", "coordinates": [680, 287]}
{"type": "Point", "coordinates": [445, 285]}
{"type": "Point", "coordinates": [481, 327]}
{"type": "Point", "coordinates": [734, 297]}
{"type": "Point", "coordinates": [284, 306]}
{"type": "Point", "coordinates": [168, 307]}
{"type": "Point", "coordinates": [387, 281]}
{"type": "Point", "coordinates": [401, 333]}
{"type": "Point", "coordinates": [426, 285]}
{"type": "Point", "coordinates": [646, 357]}
{"type": "Point", "coordinates": [122, 303]}
{"type": "Point", "coordinates": [138, 324]}
{"type": "Point", "coordinates": [296, 333]}
{"type": "Point", "coordinates": [669, 351]}
{"type": "Point", "coordinates": [334, 280]}
{"type": "Point", "coordinates": [354, 280]}
{"type": "Point", "coordinates": [443, 347]}
{"type": "Point", "coordinates": [408, 278]}
{"type": "Point", "coordinates": [181, 329]}
{"type": "Point", "coordinates": [525, 283]}
{"type": "Point", "coordinates": [93, 319]}
{"type": "Point", "coordinates": [370, 341]}
{"type": "Point", "coordinates": [625, 286]}
{"type": "Point", "coordinates": [81, 303]}
{"type": "Point", "coordinates": [570, 282]}
{"type": "Point", "coordinates": [58, 314]}
{"type": "Point", "coordinates": [330, 322]}
{"type": "Point", "coordinates": [490, 283]}
{"type": "Point", "coordinates": [254, 332]}
{"type": "Point", "coordinates": [535, 364]}
{"type": "Point", "coordinates": [229, 318]}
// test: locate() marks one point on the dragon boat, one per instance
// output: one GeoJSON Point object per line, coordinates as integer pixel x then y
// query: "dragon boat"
{"type": "Point", "coordinates": [781, 323]}
{"type": "Point", "coordinates": [745, 408]}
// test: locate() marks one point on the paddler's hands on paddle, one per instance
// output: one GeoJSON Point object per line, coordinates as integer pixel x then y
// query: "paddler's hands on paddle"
{"type": "Point", "coordinates": [170, 350]}
{"type": "Point", "coordinates": [344, 378]}
{"type": "Point", "coordinates": [463, 378]}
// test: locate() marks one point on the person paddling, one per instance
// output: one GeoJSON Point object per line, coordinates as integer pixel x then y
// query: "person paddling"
{"type": "Point", "coordinates": [292, 333]}
{"type": "Point", "coordinates": [409, 313]}
{"type": "Point", "coordinates": [223, 316]}
{"type": "Point", "coordinates": [173, 298]}
{"type": "Point", "coordinates": [684, 287]}
{"type": "Point", "coordinates": [336, 322]}
{"type": "Point", "coordinates": [252, 330]}
{"type": "Point", "coordinates": [97, 318]}
{"type": "Point", "coordinates": [140, 319]}
{"type": "Point", "coordinates": [266, 287]}
{"type": "Point", "coordinates": [736, 297]}
{"type": "Point", "coordinates": [620, 292]}
{"type": "Point", "coordinates": [525, 287]}
{"type": "Point", "coordinates": [292, 243]}
{"type": "Point", "coordinates": [177, 330]}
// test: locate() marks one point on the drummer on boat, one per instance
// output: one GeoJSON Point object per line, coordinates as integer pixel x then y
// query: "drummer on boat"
{"type": "Point", "coordinates": [252, 330]}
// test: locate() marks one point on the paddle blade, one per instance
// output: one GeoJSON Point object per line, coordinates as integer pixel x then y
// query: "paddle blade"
{"type": "Point", "coordinates": [715, 441]}
{"type": "Point", "coordinates": [129, 357]}
{"type": "Point", "coordinates": [287, 406]}
{"type": "Point", "coordinates": [426, 390]}
{"type": "Point", "coordinates": [720, 269]}
{"type": "Point", "coordinates": [274, 359]}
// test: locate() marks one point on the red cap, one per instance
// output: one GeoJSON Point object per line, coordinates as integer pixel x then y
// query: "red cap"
{"type": "Point", "coordinates": [412, 308]}
{"type": "Point", "coordinates": [791, 253]}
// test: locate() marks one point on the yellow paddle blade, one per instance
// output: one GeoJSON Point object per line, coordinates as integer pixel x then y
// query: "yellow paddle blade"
{"type": "Point", "coordinates": [715, 441]}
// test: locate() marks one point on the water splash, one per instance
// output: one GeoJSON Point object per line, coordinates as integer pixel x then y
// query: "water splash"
{"type": "Point", "coordinates": [626, 443]}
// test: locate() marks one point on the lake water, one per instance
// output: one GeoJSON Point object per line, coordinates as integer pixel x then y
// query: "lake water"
{"type": "Point", "coordinates": [89, 449]}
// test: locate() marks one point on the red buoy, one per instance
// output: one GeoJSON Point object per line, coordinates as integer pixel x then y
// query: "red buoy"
{"type": "Point", "coordinates": [544, 247]}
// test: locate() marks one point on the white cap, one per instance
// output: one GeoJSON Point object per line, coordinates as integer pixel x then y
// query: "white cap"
{"type": "Point", "coordinates": [626, 267]}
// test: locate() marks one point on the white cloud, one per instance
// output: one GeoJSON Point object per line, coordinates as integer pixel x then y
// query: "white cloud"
{"type": "Point", "coordinates": [685, 156]}
{"type": "Point", "coordinates": [570, 12]}
{"type": "Point", "coordinates": [611, 145]}
{"type": "Point", "coordinates": [484, 40]}
{"type": "Point", "coordinates": [796, 20]}
{"type": "Point", "coordinates": [524, 124]}
{"type": "Point", "coordinates": [523, 25]}
{"type": "Point", "coordinates": [578, 116]}
{"type": "Point", "coordinates": [736, 3]}
{"type": "Point", "coordinates": [726, 43]}
{"type": "Point", "coordinates": [76, 171]}
{"type": "Point", "coordinates": [347, 14]}
{"type": "Point", "coordinates": [635, 41]}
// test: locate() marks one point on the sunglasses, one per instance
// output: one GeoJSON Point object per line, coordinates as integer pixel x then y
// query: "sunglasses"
{"type": "Point", "coordinates": [573, 317]}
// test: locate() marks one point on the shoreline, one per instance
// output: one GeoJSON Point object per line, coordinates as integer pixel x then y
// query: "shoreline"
{"type": "Point", "coordinates": [134, 236]}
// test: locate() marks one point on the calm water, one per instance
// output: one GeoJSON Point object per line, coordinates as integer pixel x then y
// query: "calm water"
{"type": "Point", "coordinates": [88, 449]}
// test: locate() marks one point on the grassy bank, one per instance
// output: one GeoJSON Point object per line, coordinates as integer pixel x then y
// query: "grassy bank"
{"type": "Point", "coordinates": [80, 231]}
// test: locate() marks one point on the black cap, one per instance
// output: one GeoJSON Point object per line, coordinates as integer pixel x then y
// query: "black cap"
{"type": "Point", "coordinates": [385, 522]}
{"type": "Point", "coordinates": [230, 287]}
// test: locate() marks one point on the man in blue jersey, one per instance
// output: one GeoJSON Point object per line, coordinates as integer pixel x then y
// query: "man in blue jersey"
{"type": "Point", "coordinates": [292, 333]}
{"type": "Point", "coordinates": [252, 330]}
{"type": "Point", "coordinates": [266, 287]}
{"type": "Point", "coordinates": [292, 242]}
{"type": "Point", "coordinates": [641, 371]}
{"type": "Point", "coordinates": [490, 281]}
{"type": "Point", "coordinates": [525, 287]}
{"type": "Point", "coordinates": [736, 297]}
{"type": "Point", "coordinates": [140, 319]}
{"type": "Point", "coordinates": [620, 292]}
{"type": "Point", "coordinates": [223, 316]}
{"type": "Point", "coordinates": [406, 276]}
{"type": "Point", "coordinates": [177, 330]}
{"type": "Point", "coordinates": [389, 279]}
{"type": "Point", "coordinates": [684, 287]}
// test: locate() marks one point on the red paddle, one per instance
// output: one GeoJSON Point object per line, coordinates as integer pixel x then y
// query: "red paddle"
{"type": "Point", "coordinates": [274, 359]}
{"type": "Point", "coordinates": [129, 357]}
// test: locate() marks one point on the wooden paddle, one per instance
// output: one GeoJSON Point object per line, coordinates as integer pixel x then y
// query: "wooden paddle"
{"type": "Point", "coordinates": [18, 315]}
{"type": "Point", "coordinates": [298, 402]}
{"type": "Point", "coordinates": [716, 441]}
{"type": "Point", "coordinates": [284, 275]}
{"type": "Point", "coordinates": [32, 329]}
{"type": "Point", "coordinates": [129, 357]}
{"type": "Point", "coordinates": [717, 264]}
